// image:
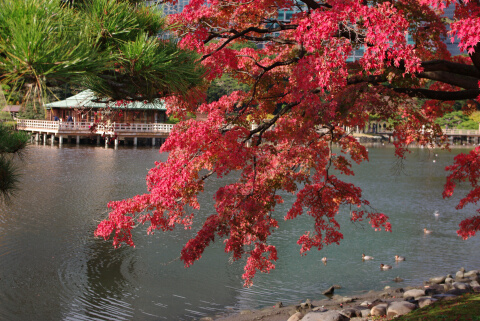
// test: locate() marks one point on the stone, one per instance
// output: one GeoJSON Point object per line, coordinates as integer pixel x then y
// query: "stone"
{"type": "Point", "coordinates": [320, 309]}
{"type": "Point", "coordinates": [329, 291]}
{"type": "Point", "coordinates": [325, 316]}
{"type": "Point", "coordinates": [296, 317]}
{"type": "Point", "coordinates": [444, 296]}
{"type": "Point", "coordinates": [462, 286]}
{"type": "Point", "coordinates": [437, 280]}
{"type": "Point", "coordinates": [366, 303]}
{"type": "Point", "coordinates": [476, 289]}
{"type": "Point", "coordinates": [475, 278]}
{"type": "Point", "coordinates": [434, 289]}
{"type": "Point", "coordinates": [351, 312]}
{"type": "Point", "coordinates": [400, 308]}
{"type": "Point", "coordinates": [463, 280]}
{"type": "Point", "coordinates": [379, 310]}
{"type": "Point", "coordinates": [457, 292]}
{"type": "Point", "coordinates": [422, 302]}
{"type": "Point", "coordinates": [460, 275]}
{"type": "Point", "coordinates": [304, 307]}
{"type": "Point", "coordinates": [342, 299]}
{"type": "Point", "coordinates": [279, 305]}
{"type": "Point", "coordinates": [414, 293]}
{"type": "Point", "coordinates": [471, 273]}
{"type": "Point", "coordinates": [365, 313]}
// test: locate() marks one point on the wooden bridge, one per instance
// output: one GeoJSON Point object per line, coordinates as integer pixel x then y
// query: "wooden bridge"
{"type": "Point", "coordinates": [44, 130]}
{"type": "Point", "coordinates": [471, 136]}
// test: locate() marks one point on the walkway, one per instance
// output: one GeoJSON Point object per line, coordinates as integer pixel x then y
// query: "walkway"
{"type": "Point", "coordinates": [82, 130]}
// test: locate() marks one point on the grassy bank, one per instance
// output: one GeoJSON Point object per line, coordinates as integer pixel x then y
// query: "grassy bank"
{"type": "Point", "coordinates": [465, 307]}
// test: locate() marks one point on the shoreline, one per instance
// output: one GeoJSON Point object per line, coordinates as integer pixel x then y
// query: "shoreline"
{"type": "Point", "coordinates": [435, 289]}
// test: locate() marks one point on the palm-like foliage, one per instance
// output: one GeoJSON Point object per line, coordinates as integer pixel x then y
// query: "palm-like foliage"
{"type": "Point", "coordinates": [107, 45]}
{"type": "Point", "coordinates": [11, 143]}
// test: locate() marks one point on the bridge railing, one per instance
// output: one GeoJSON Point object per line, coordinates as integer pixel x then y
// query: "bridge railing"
{"type": "Point", "coordinates": [465, 132]}
{"type": "Point", "coordinates": [57, 126]}
{"type": "Point", "coordinates": [448, 132]}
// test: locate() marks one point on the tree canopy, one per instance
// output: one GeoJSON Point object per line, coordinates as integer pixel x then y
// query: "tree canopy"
{"type": "Point", "coordinates": [303, 65]}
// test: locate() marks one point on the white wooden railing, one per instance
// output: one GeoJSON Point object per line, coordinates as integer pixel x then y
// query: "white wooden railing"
{"type": "Point", "coordinates": [465, 132]}
{"type": "Point", "coordinates": [59, 126]}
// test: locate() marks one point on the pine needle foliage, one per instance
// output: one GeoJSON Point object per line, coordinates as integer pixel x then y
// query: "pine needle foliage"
{"type": "Point", "coordinates": [108, 46]}
{"type": "Point", "coordinates": [11, 143]}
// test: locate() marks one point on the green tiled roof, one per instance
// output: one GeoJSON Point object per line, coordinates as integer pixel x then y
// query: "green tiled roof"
{"type": "Point", "coordinates": [84, 99]}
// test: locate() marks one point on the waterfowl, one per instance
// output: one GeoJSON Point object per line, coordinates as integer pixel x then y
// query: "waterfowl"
{"type": "Point", "coordinates": [399, 258]}
{"type": "Point", "coordinates": [426, 231]}
{"type": "Point", "coordinates": [436, 214]}
{"type": "Point", "coordinates": [366, 257]}
{"type": "Point", "coordinates": [385, 266]}
{"type": "Point", "coordinates": [324, 259]}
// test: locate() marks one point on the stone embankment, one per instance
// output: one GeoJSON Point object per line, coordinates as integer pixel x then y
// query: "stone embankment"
{"type": "Point", "coordinates": [390, 302]}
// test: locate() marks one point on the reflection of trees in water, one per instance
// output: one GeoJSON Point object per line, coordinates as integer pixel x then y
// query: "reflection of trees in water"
{"type": "Point", "coordinates": [107, 284]}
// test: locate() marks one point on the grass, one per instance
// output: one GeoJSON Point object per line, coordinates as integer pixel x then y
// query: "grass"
{"type": "Point", "coordinates": [465, 307]}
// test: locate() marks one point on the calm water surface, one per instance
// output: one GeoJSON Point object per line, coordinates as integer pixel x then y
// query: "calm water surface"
{"type": "Point", "coordinates": [52, 268]}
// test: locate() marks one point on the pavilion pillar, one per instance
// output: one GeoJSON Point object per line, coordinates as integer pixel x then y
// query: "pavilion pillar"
{"type": "Point", "coordinates": [37, 137]}
{"type": "Point", "coordinates": [153, 142]}
{"type": "Point", "coordinates": [135, 141]}
{"type": "Point", "coordinates": [52, 138]}
{"type": "Point", "coordinates": [60, 139]}
{"type": "Point", "coordinates": [78, 139]}
{"type": "Point", "coordinates": [98, 139]}
{"type": "Point", "coordinates": [44, 138]}
{"type": "Point", "coordinates": [106, 142]}
{"type": "Point", "coordinates": [116, 142]}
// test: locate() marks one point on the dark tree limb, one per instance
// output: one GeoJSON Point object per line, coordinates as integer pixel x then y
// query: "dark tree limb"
{"type": "Point", "coordinates": [453, 67]}
{"type": "Point", "coordinates": [438, 95]}
{"type": "Point", "coordinates": [461, 81]}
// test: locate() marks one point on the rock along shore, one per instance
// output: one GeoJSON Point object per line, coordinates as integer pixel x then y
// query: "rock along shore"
{"type": "Point", "coordinates": [390, 302]}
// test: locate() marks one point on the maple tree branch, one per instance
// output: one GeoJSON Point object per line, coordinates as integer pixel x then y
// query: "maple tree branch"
{"type": "Point", "coordinates": [267, 124]}
{"type": "Point", "coordinates": [461, 81]}
{"type": "Point", "coordinates": [438, 95]}
{"type": "Point", "coordinates": [452, 67]}
{"type": "Point", "coordinates": [312, 4]}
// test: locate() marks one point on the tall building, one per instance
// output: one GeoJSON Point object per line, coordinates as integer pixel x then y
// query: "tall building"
{"type": "Point", "coordinates": [176, 8]}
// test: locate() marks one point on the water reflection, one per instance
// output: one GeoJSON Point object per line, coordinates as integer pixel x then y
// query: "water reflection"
{"type": "Point", "coordinates": [51, 267]}
{"type": "Point", "coordinates": [100, 284]}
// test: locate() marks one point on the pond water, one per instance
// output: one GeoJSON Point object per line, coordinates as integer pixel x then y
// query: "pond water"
{"type": "Point", "coordinates": [52, 268]}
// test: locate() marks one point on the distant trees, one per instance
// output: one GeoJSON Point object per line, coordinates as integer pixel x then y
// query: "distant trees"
{"type": "Point", "coordinates": [458, 119]}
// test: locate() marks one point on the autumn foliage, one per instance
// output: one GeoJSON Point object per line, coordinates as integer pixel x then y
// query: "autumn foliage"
{"type": "Point", "coordinates": [306, 95]}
